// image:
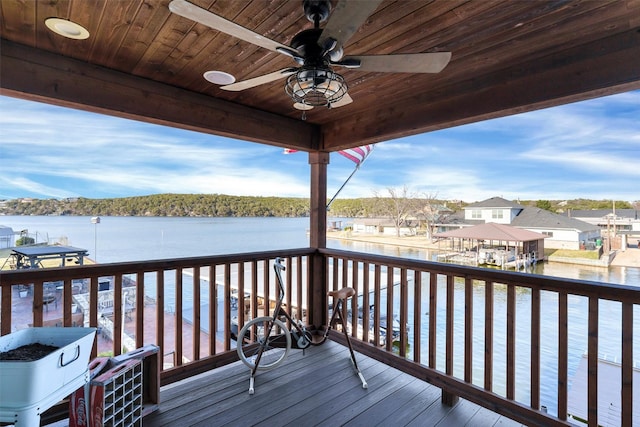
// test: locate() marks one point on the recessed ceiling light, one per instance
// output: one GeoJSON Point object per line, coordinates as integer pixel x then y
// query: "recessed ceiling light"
{"type": "Point", "coordinates": [66, 28]}
{"type": "Point", "coordinates": [301, 106]}
{"type": "Point", "coordinates": [219, 77]}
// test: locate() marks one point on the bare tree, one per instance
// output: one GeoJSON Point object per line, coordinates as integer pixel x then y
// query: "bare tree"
{"type": "Point", "coordinates": [402, 206]}
{"type": "Point", "coordinates": [398, 205]}
{"type": "Point", "coordinates": [431, 212]}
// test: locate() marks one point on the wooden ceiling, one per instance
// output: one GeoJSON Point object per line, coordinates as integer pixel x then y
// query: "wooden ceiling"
{"type": "Point", "coordinates": [141, 61]}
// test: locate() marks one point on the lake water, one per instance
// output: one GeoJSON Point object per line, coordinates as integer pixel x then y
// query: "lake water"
{"type": "Point", "coordinates": [119, 239]}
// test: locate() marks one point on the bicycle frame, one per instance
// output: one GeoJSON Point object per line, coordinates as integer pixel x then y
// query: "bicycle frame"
{"type": "Point", "coordinates": [297, 330]}
{"type": "Point", "coordinates": [301, 341]}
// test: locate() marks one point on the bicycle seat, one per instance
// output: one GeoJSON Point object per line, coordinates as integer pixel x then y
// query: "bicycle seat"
{"type": "Point", "coordinates": [343, 293]}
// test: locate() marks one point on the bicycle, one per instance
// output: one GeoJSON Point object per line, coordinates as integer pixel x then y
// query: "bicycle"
{"type": "Point", "coordinates": [264, 342]}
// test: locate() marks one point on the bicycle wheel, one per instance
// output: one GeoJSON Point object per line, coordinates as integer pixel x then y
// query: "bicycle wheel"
{"type": "Point", "coordinates": [272, 355]}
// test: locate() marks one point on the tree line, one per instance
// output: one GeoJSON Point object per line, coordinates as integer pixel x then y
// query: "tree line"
{"type": "Point", "coordinates": [181, 205]}
{"type": "Point", "coordinates": [220, 205]}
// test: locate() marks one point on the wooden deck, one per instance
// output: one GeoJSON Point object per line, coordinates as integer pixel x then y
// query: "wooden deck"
{"type": "Point", "coordinates": [317, 388]}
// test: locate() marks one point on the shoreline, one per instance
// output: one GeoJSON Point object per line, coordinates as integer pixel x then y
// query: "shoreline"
{"type": "Point", "coordinates": [627, 258]}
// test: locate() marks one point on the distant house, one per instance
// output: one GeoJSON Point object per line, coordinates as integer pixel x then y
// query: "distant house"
{"type": "Point", "coordinates": [562, 232]}
{"type": "Point", "coordinates": [623, 220]}
{"type": "Point", "coordinates": [383, 226]}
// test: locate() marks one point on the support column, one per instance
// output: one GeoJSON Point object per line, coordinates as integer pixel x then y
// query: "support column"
{"type": "Point", "coordinates": [318, 237]}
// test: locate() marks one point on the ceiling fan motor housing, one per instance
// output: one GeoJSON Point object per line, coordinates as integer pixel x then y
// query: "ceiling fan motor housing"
{"type": "Point", "coordinates": [316, 11]}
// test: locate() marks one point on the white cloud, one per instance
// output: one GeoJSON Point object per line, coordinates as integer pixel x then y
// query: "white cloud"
{"type": "Point", "coordinates": [587, 149]}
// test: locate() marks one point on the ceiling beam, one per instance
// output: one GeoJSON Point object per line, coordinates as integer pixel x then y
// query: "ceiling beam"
{"type": "Point", "coordinates": [42, 76]}
{"type": "Point", "coordinates": [600, 68]}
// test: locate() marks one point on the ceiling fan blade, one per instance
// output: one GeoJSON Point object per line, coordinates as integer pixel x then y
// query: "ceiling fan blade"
{"type": "Point", "coordinates": [260, 80]}
{"type": "Point", "coordinates": [204, 17]}
{"type": "Point", "coordinates": [345, 100]}
{"type": "Point", "coordinates": [403, 63]}
{"type": "Point", "coordinates": [345, 20]}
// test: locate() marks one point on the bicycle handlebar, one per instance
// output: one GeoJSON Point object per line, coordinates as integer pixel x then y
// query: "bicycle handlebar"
{"type": "Point", "coordinates": [278, 264]}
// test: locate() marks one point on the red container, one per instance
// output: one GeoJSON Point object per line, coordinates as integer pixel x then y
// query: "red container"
{"type": "Point", "coordinates": [77, 402]}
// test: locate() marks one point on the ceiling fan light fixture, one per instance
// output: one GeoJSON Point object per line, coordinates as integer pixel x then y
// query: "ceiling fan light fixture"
{"type": "Point", "coordinates": [315, 86]}
{"type": "Point", "coordinates": [66, 28]}
{"type": "Point", "coordinates": [219, 77]}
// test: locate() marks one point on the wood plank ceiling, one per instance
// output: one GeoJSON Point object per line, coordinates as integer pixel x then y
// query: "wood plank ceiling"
{"type": "Point", "coordinates": [144, 62]}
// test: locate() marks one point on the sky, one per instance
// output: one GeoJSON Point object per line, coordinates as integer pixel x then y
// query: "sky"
{"type": "Point", "coordinates": [589, 149]}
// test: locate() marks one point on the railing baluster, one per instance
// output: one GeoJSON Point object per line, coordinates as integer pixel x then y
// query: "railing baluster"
{"type": "Point", "coordinates": [254, 291]}
{"type": "Point", "coordinates": [5, 309]}
{"type": "Point", "coordinates": [488, 336]}
{"type": "Point", "coordinates": [288, 286]}
{"type": "Point", "coordinates": [404, 308]}
{"type": "Point", "coordinates": [299, 303]}
{"type": "Point", "coordinates": [227, 306]}
{"type": "Point", "coordinates": [365, 302]}
{"type": "Point", "coordinates": [592, 363]}
{"type": "Point", "coordinates": [511, 341]}
{"type": "Point", "coordinates": [433, 314]}
{"type": "Point", "coordinates": [38, 303]}
{"type": "Point", "coordinates": [160, 326]}
{"type": "Point", "coordinates": [345, 273]}
{"type": "Point", "coordinates": [535, 348]}
{"type": "Point", "coordinates": [67, 316]}
{"type": "Point", "coordinates": [376, 305]}
{"type": "Point", "coordinates": [178, 317]}
{"type": "Point", "coordinates": [354, 300]}
{"type": "Point", "coordinates": [449, 326]}
{"type": "Point", "coordinates": [140, 309]}
{"type": "Point", "coordinates": [196, 313]}
{"type": "Point", "coordinates": [468, 329]}
{"type": "Point", "coordinates": [93, 312]}
{"type": "Point", "coordinates": [563, 354]}
{"type": "Point", "coordinates": [389, 332]}
{"type": "Point", "coordinates": [449, 398]}
{"type": "Point", "coordinates": [240, 299]}
{"type": "Point", "coordinates": [417, 315]}
{"type": "Point", "coordinates": [118, 326]}
{"type": "Point", "coordinates": [213, 309]}
{"type": "Point", "coordinates": [265, 283]}
{"type": "Point", "coordinates": [336, 272]}
{"type": "Point", "coordinates": [627, 365]}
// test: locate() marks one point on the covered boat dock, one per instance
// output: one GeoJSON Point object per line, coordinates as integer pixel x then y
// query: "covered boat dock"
{"type": "Point", "coordinates": [493, 244]}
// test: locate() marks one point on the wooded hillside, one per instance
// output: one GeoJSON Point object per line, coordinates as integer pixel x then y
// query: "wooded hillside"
{"type": "Point", "coordinates": [220, 205]}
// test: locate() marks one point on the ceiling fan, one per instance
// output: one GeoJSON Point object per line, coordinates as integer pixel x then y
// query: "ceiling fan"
{"type": "Point", "coordinates": [317, 51]}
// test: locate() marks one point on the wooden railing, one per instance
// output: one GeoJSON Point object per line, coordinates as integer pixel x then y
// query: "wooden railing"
{"type": "Point", "coordinates": [156, 302]}
{"type": "Point", "coordinates": [467, 330]}
{"type": "Point", "coordinates": [461, 328]}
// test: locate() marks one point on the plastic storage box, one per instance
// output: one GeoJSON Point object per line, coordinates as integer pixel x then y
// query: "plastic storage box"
{"type": "Point", "coordinates": [116, 396]}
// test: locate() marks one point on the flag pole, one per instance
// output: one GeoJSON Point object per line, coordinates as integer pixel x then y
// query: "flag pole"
{"type": "Point", "coordinates": [342, 186]}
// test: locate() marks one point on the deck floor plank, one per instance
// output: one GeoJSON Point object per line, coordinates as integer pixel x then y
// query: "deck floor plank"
{"type": "Point", "coordinates": [314, 389]}
{"type": "Point", "coordinates": [421, 396]}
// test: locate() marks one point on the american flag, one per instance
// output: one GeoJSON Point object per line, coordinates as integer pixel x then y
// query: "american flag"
{"type": "Point", "coordinates": [356, 155]}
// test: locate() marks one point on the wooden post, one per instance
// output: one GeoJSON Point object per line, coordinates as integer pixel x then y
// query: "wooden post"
{"type": "Point", "coordinates": [318, 237]}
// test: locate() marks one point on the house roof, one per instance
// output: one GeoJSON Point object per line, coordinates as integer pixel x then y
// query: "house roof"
{"type": "Point", "coordinates": [142, 61]}
{"type": "Point", "coordinates": [493, 231]}
{"type": "Point", "coordinates": [602, 213]}
{"type": "Point", "coordinates": [531, 217]}
{"type": "Point", "coordinates": [495, 202]}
